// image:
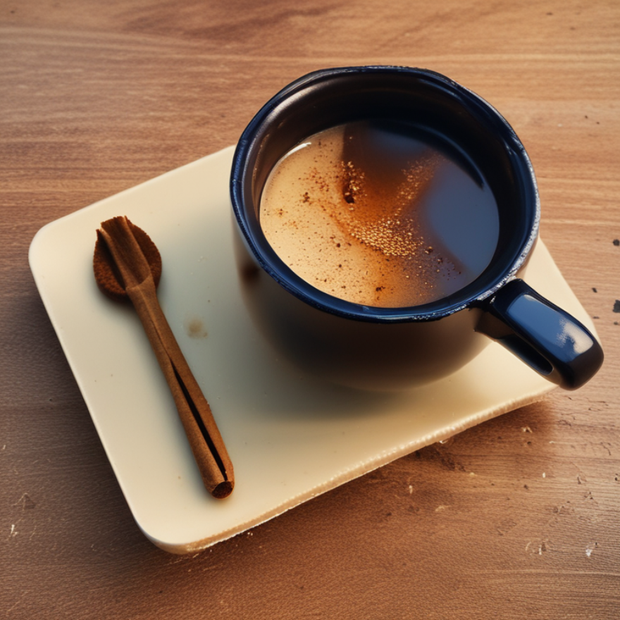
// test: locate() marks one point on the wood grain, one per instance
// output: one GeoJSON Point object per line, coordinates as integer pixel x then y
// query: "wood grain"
{"type": "Point", "coordinates": [518, 517]}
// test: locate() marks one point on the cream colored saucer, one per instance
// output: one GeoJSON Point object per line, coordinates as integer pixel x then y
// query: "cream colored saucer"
{"type": "Point", "coordinates": [290, 437]}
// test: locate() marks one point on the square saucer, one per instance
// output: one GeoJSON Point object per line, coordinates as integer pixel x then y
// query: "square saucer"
{"type": "Point", "coordinates": [289, 436]}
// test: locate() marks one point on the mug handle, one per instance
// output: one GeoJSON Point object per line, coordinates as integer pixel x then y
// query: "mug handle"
{"type": "Point", "coordinates": [545, 337]}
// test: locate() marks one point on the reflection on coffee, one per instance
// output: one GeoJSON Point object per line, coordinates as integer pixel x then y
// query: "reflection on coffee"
{"type": "Point", "coordinates": [380, 214]}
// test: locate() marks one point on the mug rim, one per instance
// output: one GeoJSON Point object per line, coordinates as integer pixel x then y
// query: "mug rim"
{"type": "Point", "coordinates": [270, 262]}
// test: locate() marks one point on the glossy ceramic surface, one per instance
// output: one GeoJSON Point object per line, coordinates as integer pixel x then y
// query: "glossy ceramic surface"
{"type": "Point", "coordinates": [404, 346]}
{"type": "Point", "coordinates": [334, 96]}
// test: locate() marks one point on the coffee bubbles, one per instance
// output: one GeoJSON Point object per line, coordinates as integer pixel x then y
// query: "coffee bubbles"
{"type": "Point", "coordinates": [380, 214]}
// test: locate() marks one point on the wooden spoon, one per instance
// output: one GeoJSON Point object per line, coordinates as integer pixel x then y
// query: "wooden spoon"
{"type": "Point", "coordinates": [127, 265]}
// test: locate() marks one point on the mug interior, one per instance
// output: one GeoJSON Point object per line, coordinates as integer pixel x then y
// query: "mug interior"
{"type": "Point", "coordinates": [423, 98]}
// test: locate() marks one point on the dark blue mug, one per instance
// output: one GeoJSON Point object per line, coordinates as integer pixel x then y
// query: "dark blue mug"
{"type": "Point", "coordinates": [392, 348]}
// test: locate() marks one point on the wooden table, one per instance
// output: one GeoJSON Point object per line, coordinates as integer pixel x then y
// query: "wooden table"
{"type": "Point", "coordinates": [516, 518]}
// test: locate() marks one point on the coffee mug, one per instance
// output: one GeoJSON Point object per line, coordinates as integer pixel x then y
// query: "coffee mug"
{"type": "Point", "coordinates": [365, 342]}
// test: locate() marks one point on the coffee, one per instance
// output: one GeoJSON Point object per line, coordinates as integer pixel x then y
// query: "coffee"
{"type": "Point", "coordinates": [380, 213]}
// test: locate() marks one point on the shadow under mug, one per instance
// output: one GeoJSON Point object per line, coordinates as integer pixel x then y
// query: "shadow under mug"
{"type": "Point", "coordinates": [394, 348]}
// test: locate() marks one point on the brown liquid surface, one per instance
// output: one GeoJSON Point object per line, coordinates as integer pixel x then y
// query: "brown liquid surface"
{"type": "Point", "coordinates": [375, 214]}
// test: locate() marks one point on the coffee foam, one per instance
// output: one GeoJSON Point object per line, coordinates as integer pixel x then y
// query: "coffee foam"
{"type": "Point", "coordinates": [351, 222]}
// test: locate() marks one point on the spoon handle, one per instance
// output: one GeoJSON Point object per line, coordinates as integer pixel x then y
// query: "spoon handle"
{"type": "Point", "coordinates": [200, 427]}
